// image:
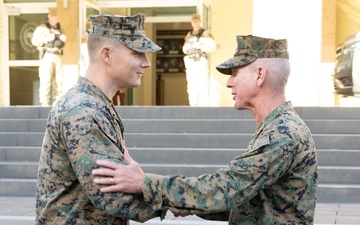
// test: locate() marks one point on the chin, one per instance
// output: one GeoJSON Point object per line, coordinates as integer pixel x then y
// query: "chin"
{"type": "Point", "coordinates": [239, 107]}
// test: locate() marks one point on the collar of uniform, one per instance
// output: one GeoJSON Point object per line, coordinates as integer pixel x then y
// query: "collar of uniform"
{"type": "Point", "coordinates": [93, 88]}
{"type": "Point", "coordinates": [276, 112]}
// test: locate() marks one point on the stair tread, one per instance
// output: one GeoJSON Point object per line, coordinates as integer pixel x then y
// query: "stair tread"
{"type": "Point", "coordinates": [356, 186]}
{"type": "Point", "coordinates": [17, 179]}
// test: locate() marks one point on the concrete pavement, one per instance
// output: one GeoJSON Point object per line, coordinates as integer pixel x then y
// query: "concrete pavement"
{"type": "Point", "coordinates": [21, 211]}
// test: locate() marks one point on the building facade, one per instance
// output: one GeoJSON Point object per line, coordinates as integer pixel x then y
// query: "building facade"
{"type": "Point", "coordinates": [313, 28]}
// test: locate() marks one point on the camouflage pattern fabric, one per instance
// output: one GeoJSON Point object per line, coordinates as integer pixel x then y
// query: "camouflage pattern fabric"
{"type": "Point", "coordinates": [81, 128]}
{"type": "Point", "coordinates": [274, 182]}
{"type": "Point", "coordinates": [129, 30]}
{"type": "Point", "coordinates": [250, 48]}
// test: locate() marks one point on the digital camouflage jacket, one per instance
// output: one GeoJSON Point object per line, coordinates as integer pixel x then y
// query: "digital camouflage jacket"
{"type": "Point", "coordinates": [274, 182]}
{"type": "Point", "coordinates": [81, 128]}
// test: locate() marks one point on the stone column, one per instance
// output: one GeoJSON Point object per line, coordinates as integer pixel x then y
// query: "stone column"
{"type": "Point", "coordinates": [328, 48]}
{"type": "Point", "coordinates": [68, 17]}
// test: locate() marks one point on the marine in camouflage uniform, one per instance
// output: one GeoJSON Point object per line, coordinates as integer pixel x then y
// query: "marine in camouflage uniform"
{"type": "Point", "coordinates": [82, 127]}
{"type": "Point", "coordinates": [274, 182]}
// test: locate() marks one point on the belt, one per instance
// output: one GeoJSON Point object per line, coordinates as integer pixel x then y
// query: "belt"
{"type": "Point", "coordinates": [53, 51]}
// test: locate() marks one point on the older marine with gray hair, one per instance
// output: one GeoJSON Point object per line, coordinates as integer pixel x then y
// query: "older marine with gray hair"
{"type": "Point", "coordinates": [274, 182]}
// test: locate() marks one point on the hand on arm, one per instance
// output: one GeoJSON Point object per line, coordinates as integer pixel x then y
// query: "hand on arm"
{"type": "Point", "coordinates": [89, 137]}
{"type": "Point", "coordinates": [126, 178]}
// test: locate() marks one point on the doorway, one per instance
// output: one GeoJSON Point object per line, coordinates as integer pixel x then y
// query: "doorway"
{"type": "Point", "coordinates": [20, 59]}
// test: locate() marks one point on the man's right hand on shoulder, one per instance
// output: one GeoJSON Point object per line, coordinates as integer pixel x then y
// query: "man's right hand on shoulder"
{"type": "Point", "coordinates": [119, 177]}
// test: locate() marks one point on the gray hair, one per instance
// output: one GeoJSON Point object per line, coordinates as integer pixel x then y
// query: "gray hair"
{"type": "Point", "coordinates": [278, 71]}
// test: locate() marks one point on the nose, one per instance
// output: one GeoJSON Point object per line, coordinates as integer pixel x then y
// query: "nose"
{"type": "Point", "coordinates": [230, 81]}
{"type": "Point", "coordinates": [145, 62]}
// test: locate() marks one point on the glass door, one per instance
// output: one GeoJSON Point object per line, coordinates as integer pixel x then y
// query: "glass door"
{"type": "Point", "coordinates": [20, 59]}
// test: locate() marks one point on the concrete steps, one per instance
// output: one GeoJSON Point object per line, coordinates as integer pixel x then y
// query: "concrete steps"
{"type": "Point", "coordinates": [189, 141]}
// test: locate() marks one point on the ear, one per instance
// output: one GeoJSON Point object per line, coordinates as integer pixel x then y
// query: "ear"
{"type": "Point", "coordinates": [261, 75]}
{"type": "Point", "coordinates": [105, 54]}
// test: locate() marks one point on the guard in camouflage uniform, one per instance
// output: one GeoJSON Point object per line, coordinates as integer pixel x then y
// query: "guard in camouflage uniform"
{"type": "Point", "coordinates": [50, 40]}
{"type": "Point", "coordinates": [198, 44]}
{"type": "Point", "coordinates": [274, 182]}
{"type": "Point", "coordinates": [83, 126]}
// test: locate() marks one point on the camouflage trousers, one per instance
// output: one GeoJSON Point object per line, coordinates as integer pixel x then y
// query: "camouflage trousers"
{"type": "Point", "coordinates": [51, 78]}
{"type": "Point", "coordinates": [197, 76]}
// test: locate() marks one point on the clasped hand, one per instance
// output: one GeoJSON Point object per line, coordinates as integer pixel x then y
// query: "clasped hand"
{"type": "Point", "coordinates": [119, 177]}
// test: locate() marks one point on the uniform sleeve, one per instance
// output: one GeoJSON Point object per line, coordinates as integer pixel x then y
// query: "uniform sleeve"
{"type": "Point", "coordinates": [222, 216]}
{"type": "Point", "coordinates": [90, 136]}
{"type": "Point", "coordinates": [214, 193]}
{"type": "Point", "coordinates": [207, 42]}
{"type": "Point", "coordinates": [186, 45]}
{"type": "Point", "coordinates": [39, 35]}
